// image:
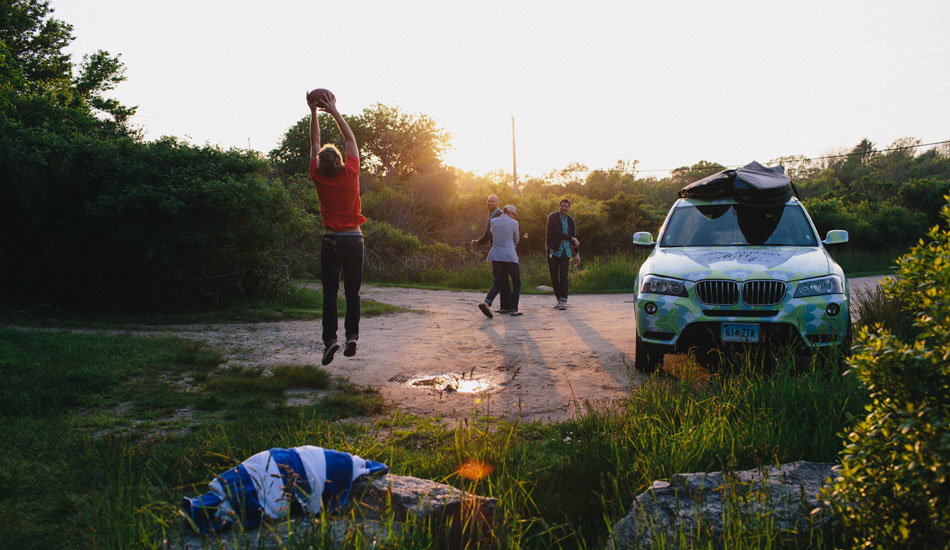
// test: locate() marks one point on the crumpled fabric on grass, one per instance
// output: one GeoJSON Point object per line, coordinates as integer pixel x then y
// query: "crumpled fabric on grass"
{"type": "Point", "coordinates": [272, 483]}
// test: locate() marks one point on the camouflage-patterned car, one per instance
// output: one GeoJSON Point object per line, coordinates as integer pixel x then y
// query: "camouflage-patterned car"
{"type": "Point", "coordinates": [723, 275]}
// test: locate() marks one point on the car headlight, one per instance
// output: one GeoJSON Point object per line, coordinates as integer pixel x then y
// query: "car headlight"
{"type": "Point", "coordinates": [660, 285]}
{"type": "Point", "coordinates": [818, 287]}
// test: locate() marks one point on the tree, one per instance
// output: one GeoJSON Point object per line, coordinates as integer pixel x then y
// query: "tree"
{"type": "Point", "coordinates": [100, 72]}
{"type": "Point", "coordinates": [394, 145]}
{"type": "Point", "coordinates": [604, 184]}
{"type": "Point", "coordinates": [684, 175]}
{"type": "Point", "coordinates": [292, 154]}
{"type": "Point", "coordinates": [850, 169]}
{"type": "Point", "coordinates": [33, 64]}
{"type": "Point", "coordinates": [36, 42]}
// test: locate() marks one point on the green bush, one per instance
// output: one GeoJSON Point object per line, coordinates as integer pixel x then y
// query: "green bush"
{"type": "Point", "coordinates": [398, 257]}
{"type": "Point", "coordinates": [872, 225]}
{"type": "Point", "coordinates": [113, 221]}
{"type": "Point", "coordinates": [894, 486]}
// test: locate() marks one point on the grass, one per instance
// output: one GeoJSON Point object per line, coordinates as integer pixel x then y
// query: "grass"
{"type": "Point", "coordinates": [611, 273]}
{"type": "Point", "coordinates": [864, 263]}
{"type": "Point", "coordinates": [295, 304]}
{"type": "Point", "coordinates": [97, 453]}
{"type": "Point", "coordinates": [97, 426]}
{"type": "Point", "coordinates": [601, 274]}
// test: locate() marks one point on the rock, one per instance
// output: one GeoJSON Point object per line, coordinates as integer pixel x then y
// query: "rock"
{"type": "Point", "coordinates": [699, 506]}
{"type": "Point", "coordinates": [419, 498]}
{"type": "Point", "coordinates": [378, 509]}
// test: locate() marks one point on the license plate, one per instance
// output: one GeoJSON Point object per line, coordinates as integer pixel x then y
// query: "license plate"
{"type": "Point", "coordinates": [745, 333]}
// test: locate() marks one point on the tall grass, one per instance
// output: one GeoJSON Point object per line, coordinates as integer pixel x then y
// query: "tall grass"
{"type": "Point", "coordinates": [873, 307]}
{"type": "Point", "coordinates": [607, 273]}
{"type": "Point", "coordinates": [559, 486]}
{"type": "Point", "coordinates": [600, 274]}
{"type": "Point", "coordinates": [859, 263]}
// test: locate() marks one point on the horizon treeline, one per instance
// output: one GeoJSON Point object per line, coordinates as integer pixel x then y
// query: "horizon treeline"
{"type": "Point", "coordinates": [94, 215]}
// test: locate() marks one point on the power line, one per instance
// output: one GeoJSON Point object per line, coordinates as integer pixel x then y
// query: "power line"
{"type": "Point", "coordinates": [862, 153]}
{"type": "Point", "coordinates": [790, 159]}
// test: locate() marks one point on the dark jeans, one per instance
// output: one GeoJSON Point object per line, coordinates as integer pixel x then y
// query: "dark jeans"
{"type": "Point", "coordinates": [558, 268]}
{"type": "Point", "coordinates": [490, 297]}
{"type": "Point", "coordinates": [510, 293]}
{"type": "Point", "coordinates": [341, 253]}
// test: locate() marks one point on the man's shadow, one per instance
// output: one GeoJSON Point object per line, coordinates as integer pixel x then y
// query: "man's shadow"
{"type": "Point", "coordinates": [516, 342]}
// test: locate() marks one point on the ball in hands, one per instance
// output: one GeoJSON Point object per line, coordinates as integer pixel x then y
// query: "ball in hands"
{"type": "Point", "coordinates": [322, 97]}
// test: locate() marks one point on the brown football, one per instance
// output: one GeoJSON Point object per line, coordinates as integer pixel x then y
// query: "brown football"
{"type": "Point", "coordinates": [321, 96]}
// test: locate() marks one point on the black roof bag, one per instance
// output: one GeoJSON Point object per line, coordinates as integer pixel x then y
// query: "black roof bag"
{"type": "Point", "coordinates": [752, 185]}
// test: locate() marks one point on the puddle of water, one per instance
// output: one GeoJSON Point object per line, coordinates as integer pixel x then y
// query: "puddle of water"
{"type": "Point", "coordinates": [452, 383]}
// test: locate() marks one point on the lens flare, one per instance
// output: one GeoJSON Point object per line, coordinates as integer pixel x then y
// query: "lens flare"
{"type": "Point", "coordinates": [474, 469]}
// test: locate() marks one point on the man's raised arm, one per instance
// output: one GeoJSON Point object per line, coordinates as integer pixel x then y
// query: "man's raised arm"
{"type": "Point", "coordinates": [351, 148]}
{"type": "Point", "coordinates": [314, 127]}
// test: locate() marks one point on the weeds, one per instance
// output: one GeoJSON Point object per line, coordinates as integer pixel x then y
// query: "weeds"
{"type": "Point", "coordinates": [558, 486]}
{"type": "Point", "coordinates": [874, 307]}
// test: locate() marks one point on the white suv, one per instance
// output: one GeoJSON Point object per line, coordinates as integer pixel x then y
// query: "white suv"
{"type": "Point", "coordinates": [724, 274]}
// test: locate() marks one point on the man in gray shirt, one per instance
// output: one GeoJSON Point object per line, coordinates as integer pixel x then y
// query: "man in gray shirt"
{"type": "Point", "coordinates": [504, 259]}
{"type": "Point", "coordinates": [493, 212]}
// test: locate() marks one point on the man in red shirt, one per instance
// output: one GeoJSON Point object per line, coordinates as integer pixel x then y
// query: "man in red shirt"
{"type": "Point", "coordinates": [338, 187]}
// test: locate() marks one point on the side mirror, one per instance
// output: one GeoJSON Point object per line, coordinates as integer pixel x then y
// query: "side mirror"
{"type": "Point", "coordinates": [836, 236]}
{"type": "Point", "coordinates": [643, 238]}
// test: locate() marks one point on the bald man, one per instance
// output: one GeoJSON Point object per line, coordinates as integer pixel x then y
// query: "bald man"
{"type": "Point", "coordinates": [493, 212]}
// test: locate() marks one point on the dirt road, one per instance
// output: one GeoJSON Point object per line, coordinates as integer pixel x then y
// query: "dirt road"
{"type": "Point", "coordinates": [446, 359]}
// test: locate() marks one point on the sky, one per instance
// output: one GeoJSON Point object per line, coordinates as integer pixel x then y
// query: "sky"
{"type": "Point", "coordinates": [664, 83]}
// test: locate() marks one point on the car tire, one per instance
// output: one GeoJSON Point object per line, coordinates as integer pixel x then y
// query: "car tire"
{"type": "Point", "coordinates": [648, 357]}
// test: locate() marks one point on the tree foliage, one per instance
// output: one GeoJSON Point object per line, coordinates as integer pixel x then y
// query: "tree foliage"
{"type": "Point", "coordinates": [93, 215]}
{"type": "Point", "coordinates": [394, 145]}
{"type": "Point", "coordinates": [35, 41]}
{"type": "Point", "coordinates": [893, 490]}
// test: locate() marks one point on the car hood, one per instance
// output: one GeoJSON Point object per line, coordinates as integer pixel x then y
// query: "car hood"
{"type": "Point", "coordinates": [787, 263]}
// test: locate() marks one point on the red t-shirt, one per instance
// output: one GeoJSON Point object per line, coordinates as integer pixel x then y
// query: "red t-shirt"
{"type": "Point", "coordinates": [340, 204]}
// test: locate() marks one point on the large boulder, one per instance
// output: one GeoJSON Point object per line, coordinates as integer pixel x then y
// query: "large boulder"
{"type": "Point", "coordinates": [703, 507]}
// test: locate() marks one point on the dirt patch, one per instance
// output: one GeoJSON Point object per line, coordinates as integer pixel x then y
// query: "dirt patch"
{"type": "Point", "coordinates": [448, 360]}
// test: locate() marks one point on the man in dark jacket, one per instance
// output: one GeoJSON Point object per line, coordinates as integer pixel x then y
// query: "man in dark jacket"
{"type": "Point", "coordinates": [493, 212]}
{"type": "Point", "coordinates": [559, 240]}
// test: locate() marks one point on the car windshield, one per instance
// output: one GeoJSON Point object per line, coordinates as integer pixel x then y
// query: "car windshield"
{"type": "Point", "coordinates": [737, 225]}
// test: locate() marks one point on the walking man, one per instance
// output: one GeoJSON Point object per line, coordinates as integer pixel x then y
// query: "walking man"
{"type": "Point", "coordinates": [493, 212]}
{"type": "Point", "coordinates": [504, 259]}
{"type": "Point", "coordinates": [338, 187]}
{"type": "Point", "coordinates": [560, 237]}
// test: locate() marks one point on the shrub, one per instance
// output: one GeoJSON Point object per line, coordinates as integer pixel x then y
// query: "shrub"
{"type": "Point", "coordinates": [894, 486]}
{"type": "Point", "coordinates": [103, 221]}
{"type": "Point", "coordinates": [395, 256]}
{"type": "Point", "coordinates": [872, 225]}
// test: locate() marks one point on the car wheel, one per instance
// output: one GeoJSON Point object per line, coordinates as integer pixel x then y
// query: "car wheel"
{"type": "Point", "coordinates": [648, 357]}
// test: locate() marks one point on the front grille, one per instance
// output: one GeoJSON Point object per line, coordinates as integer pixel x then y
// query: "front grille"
{"type": "Point", "coordinates": [740, 312]}
{"type": "Point", "coordinates": [717, 293]}
{"type": "Point", "coordinates": [763, 293]}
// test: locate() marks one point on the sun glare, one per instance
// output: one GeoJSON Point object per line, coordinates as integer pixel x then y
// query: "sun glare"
{"type": "Point", "coordinates": [474, 469]}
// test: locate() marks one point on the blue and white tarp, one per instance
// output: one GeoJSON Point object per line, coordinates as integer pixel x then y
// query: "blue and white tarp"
{"type": "Point", "coordinates": [269, 483]}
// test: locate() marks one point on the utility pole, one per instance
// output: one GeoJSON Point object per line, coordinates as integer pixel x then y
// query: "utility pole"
{"type": "Point", "coordinates": [514, 157]}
